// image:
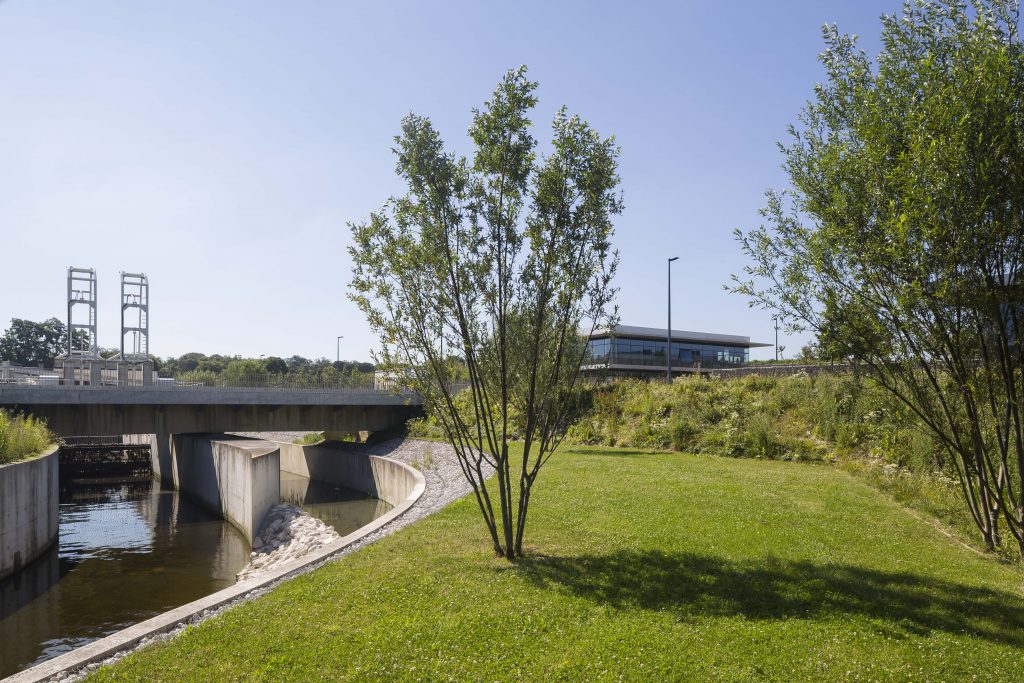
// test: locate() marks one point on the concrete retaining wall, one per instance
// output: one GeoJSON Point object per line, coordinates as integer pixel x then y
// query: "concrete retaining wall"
{"type": "Point", "coordinates": [239, 478]}
{"type": "Point", "coordinates": [29, 500]}
{"type": "Point", "coordinates": [379, 477]}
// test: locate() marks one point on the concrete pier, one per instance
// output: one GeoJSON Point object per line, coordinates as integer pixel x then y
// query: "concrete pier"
{"type": "Point", "coordinates": [236, 477]}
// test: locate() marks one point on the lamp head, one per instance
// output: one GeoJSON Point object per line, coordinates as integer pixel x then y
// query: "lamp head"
{"type": "Point", "coordinates": [674, 258]}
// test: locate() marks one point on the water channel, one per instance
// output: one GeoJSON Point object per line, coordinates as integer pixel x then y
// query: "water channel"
{"type": "Point", "coordinates": [131, 550]}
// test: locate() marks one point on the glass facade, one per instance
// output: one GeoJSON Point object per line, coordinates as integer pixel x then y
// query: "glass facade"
{"type": "Point", "coordinates": [627, 351]}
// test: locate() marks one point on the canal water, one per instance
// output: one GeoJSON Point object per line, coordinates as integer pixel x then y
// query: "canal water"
{"type": "Point", "coordinates": [342, 509]}
{"type": "Point", "coordinates": [131, 550]}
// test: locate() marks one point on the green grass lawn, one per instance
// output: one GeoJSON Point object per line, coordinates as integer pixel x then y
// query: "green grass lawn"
{"type": "Point", "coordinates": [643, 566]}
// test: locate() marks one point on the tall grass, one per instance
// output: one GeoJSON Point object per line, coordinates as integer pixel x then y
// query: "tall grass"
{"type": "Point", "coordinates": [310, 439]}
{"type": "Point", "coordinates": [21, 437]}
{"type": "Point", "coordinates": [795, 417]}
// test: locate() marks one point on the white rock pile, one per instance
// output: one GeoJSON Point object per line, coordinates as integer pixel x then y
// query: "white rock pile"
{"type": "Point", "coordinates": [288, 533]}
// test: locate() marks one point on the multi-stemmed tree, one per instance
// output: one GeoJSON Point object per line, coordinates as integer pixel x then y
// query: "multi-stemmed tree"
{"type": "Point", "coordinates": [901, 240]}
{"type": "Point", "coordinates": [492, 269]}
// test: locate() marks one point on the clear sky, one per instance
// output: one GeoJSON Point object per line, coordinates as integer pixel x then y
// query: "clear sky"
{"type": "Point", "coordinates": [221, 147]}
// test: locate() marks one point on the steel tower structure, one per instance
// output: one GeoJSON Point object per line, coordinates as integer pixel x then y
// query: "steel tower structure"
{"type": "Point", "coordinates": [134, 317]}
{"type": "Point", "coordinates": [82, 341]}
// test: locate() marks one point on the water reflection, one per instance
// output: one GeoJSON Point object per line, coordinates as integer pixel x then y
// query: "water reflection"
{"type": "Point", "coordinates": [130, 551]}
{"type": "Point", "coordinates": [127, 551]}
{"type": "Point", "coordinates": [345, 510]}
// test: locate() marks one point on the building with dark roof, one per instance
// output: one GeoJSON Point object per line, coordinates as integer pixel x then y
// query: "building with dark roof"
{"type": "Point", "coordinates": [640, 351]}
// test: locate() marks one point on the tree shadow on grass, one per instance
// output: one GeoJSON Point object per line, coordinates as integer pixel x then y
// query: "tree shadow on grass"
{"type": "Point", "coordinates": [693, 585]}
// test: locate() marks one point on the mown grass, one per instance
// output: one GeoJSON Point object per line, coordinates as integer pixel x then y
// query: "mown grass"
{"type": "Point", "coordinates": [22, 436]}
{"type": "Point", "coordinates": [642, 566]}
{"type": "Point", "coordinates": [840, 418]}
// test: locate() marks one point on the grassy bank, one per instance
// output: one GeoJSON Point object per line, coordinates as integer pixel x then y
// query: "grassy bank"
{"type": "Point", "coordinates": [834, 418]}
{"type": "Point", "coordinates": [21, 437]}
{"type": "Point", "coordinates": [643, 566]}
{"type": "Point", "coordinates": [795, 417]}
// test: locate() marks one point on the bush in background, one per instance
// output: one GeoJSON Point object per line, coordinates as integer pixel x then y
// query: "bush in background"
{"type": "Point", "coordinates": [796, 417]}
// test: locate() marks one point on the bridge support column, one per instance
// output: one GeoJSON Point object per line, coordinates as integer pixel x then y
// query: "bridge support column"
{"type": "Point", "coordinates": [160, 453]}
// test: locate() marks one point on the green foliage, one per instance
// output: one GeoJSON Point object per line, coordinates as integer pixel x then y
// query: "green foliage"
{"type": "Point", "coordinates": [429, 427]}
{"type": "Point", "coordinates": [237, 371]}
{"type": "Point", "coordinates": [22, 436]}
{"type": "Point", "coordinates": [500, 260]}
{"type": "Point", "coordinates": [276, 366]}
{"type": "Point", "coordinates": [655, 567]}
{"type": "Point", "coordinates": [29, 343]}
{"type": "Point", "coordinates": [795, 417]}
{"type": "Point", "coordinates": [899, 241]}
{"type": "Point", "coordinates": [310, 439]}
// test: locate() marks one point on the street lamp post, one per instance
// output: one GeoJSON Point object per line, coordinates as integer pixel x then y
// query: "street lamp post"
{"type": "Point", "coordinates": [339, 347]}
{"type": "Point", "coordinates": [776, 319]}
{"type": "Point", "coordinates": [668, 348]}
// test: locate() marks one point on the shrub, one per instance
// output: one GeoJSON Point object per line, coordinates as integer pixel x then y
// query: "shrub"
{"type": "Point", "coordinates": [796, 417]}
{"type": "Point", "coordinates": [22, 436]}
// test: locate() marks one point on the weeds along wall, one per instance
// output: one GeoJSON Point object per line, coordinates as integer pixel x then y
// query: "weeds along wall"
{"type": "Point", "coordinates": [21, 436]}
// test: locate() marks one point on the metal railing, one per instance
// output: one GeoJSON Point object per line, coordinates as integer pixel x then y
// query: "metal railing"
{"type": "Point", "coordinates": [654, 361]}
{"type": "Point", "coordinates": [199, 381]}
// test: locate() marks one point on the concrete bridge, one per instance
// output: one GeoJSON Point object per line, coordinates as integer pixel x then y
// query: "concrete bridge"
{"type": "Point", "coordinates": [116, 410]}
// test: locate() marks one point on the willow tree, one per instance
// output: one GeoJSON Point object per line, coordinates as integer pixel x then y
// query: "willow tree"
{"type": "Point", "coordinates": [493, 268]}
{"type": "Point", "coordinates": [900, 240]}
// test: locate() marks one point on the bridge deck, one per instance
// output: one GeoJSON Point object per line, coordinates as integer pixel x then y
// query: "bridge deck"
{"type": "Point", "coordinates": [113, 410]}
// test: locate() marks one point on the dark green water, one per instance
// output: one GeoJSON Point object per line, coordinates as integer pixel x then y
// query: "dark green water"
{"type": "Point", "coordinates": [130, 551]}
{"type": "Point", "coordinates": [127, 552]}
{"type": "Point", "coordinates": [343, 509]}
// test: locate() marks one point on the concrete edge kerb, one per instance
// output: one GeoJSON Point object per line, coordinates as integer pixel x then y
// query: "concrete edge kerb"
{"type": "Point", "coordinates": [192, 612]}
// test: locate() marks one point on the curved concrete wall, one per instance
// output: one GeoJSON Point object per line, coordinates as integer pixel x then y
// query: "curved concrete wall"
{"type": "Point", "coordinates": [29, 502]}
{"type": "Point", "coordinates": [379, 477]}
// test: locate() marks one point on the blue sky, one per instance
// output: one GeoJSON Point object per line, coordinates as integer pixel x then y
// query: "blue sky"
{"type": "Point", "coordinates": [221, 148]}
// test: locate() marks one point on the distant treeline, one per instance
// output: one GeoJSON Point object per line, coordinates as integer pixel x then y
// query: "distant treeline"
{"type": "Point", "coordinates": [31, 343]}
{"type": "Point", "coordinates": [236, 367]}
